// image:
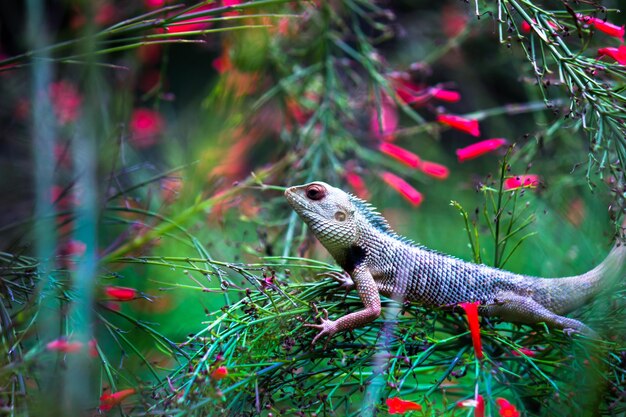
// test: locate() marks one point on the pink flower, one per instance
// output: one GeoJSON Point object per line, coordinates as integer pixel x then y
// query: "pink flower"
{"type": "Point", "coordinates": [526, 181]}
{"type": "Point", "coordinates": [603, 26]}
{"type": "Point", "coordinates": [471, 309]}
{"type": "Point", "coordinates": [108, 401]}
{"type": "Point", "coordinates": [403, 187]}
{"type": "Point", "coordinates": [121, 293]}
{"type": "Point", "coordinates": [445, 95]}
{"type": "Point", "coordinates": [399, 406]}
{"type": "Point", "coordinates": [145, 126]}
{"type": "Point", "coordinates": [457, 122]}
{"type": "Point", "coordinates": [618, 54]}
{"type": "Point", "coordinates": [478, 149]}
{"type": "Point", "coordinates": [435, 170]}
{"type": "Point", "coordinates": [478, 404]}
{"type": "Point", "coordinates": [506, 409]}
{"type": "Point", "coordinates": [384, 120]}
{"type": "Point", "coordinates": [66, 101]}
{"type": "Point", "coordinates": [405, 156]}
{"type": "Point", "coordinates": [62, 345]}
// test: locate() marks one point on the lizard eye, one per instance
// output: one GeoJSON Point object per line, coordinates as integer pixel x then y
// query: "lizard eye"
{"type": "Point", "coordinates": [340, 216]}
{"type": "Point", "coordinates": [315, 192]}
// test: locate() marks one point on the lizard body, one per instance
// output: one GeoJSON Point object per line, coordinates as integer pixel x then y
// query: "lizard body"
{"type": "Point", "coordinates": [380, 262]}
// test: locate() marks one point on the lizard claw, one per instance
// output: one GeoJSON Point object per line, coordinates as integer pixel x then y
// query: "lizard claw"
{"type": "Point", "coordinates": [343, 278]}
{"type": "Point", "coordinates": [326, 328]}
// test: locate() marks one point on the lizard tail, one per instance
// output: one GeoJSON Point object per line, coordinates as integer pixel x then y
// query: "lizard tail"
{"type": "Point", "coordinates": [564, 295]}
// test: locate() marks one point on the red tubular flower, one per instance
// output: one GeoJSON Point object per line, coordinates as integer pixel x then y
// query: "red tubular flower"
{"type": "Point", "coordinates": [457, 122]}
{"type": "Point", "coordinates": [603, 26]}
{"type": "Point", "coordinates": [121, 293]}
{"type": "Point", "coordinates": [195, 23]}
{"type": "Point", "coordinates": [358, 184]}
{"type": "Point", "coordinates": [403, 187]}
{"type": "Point", "coordinates": [479, 148]}
{"type": "Point", "coordinates": [108, 401]}
{"type": "Point", "coordinates": [387, 115]}
{"type": "Point", "coordinates": [445, 95]}
{"type": "Point", "coordinates": [526, 28]}
{"type": "Point", "coordinates": [231, 3]}
{"type": "Point", "coordinates": [471, 309]}
{"type": "Point", "coordinates": [220, 372]}
{"type": "Point", "coordinates": [506, 409]}
{"type": "Point", "coordinates": [408, 91]}
{"type": "Point", "coordinates": [478, 404]}
{"type": "Point", "coordinates": [434, 170]}
{"type": "Point", "coordinates": [399, 406]}
{"type": "Point", "coordinates": [618, 54]}
{"type": "Point", "coordinates": [63, 345]}
{"type": "Point", "coordinates": [525, 351]}
{"type": "Point", "coordinates": [145, 126]}
{"type": "Point", "coordinates": [405, 156]}
{"type": "Point", "coordinates": [526, 181]}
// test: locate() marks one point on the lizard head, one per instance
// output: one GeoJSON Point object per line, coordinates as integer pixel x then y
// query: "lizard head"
{"type": "Point", "coordinates": [328, 211]}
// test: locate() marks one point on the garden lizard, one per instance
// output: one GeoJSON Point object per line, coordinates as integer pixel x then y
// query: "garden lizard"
{"type": "Point", "coordinates": [380, 262]}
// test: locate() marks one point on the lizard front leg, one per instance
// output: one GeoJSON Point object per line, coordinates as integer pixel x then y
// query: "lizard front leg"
{"type": "Point", "coordinates": [342, 278]}
{"type": "Point", "coordinates": [368, 291]}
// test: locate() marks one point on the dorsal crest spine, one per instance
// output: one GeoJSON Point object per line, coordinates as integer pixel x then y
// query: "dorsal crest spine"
{"type": "Point", "coordinates": [376, 219]}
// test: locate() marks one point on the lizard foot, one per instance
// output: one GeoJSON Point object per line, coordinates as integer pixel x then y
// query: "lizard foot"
{"type": "Point", "coordinates": [585, 331]}
{"type": "Point", "coordinates": [569, 332]}
{"type": "Point", "coordinates": [326, 328]}
{"type": "Point", "coordinates": [343, 278]}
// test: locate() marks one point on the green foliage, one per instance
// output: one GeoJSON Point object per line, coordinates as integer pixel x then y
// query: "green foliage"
{"type": "Point", "coordinates": [187, 219]}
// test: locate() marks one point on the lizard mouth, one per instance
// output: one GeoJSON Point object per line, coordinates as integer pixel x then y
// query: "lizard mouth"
{"type": "Point", "coordinates": [295, 200]}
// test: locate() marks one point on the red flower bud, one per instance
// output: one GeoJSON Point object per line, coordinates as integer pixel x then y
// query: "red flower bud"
{"type": "Point", "coordinates": [108, 401]}
{"type": "Point", "coordinates": [403, 187]}
{"type": "Point", "coordinates": [405, 156]}
{"type": "Point", "coordinates": [471, 309]}
{"type": "Point", "coordinates": [435, 170]}
{"type": "Point", "coordinates": [457, 122]}
{"type": "Point", "coordinates": [219, 373]}
{"type": "Point", "coordinates": [480, 148]}
{"type": "Point", "coordinates": [526, 181]}
{"type": "Point", "coordinates": [121, 293]}
{"type": "Point", "coordinates": [63, 345]}
{"type": "Point", "coordinates": [399, 406]}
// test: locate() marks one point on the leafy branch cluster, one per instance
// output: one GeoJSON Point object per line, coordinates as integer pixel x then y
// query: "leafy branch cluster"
{"type": "Point", "coordinates": [558, 49]}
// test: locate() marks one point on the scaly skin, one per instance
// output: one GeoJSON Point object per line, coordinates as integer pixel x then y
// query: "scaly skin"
{"type": "Point", "coordinates": [381, 262]}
